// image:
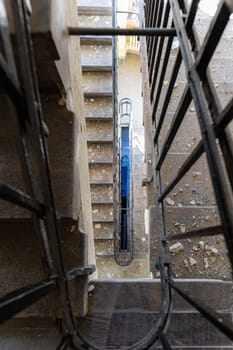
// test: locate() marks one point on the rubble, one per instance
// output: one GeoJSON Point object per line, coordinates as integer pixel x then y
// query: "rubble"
{"type": "Point", "coordinates": [182, 228]}
{"type": "Point", "coordinates": [206, 263]}
{"type": "Point", "coordinates": [196, 173]}
{"type": "Point", "coordinates": [176, 248]}
{"type": "Point", "coordinates": [201, 245]}
{"type": "Point", "coordinates": [169, 201]}
{"type": "Point", "coordinates": [192, 261]}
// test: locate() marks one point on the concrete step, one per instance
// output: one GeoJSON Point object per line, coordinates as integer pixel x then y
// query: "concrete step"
{"type": "Point", "coordinates": [101, 192]}
{"type": "Point", "coordinates": [96, 57]}
{"type": "Point", "coordinates": [188, 134]}
{"type": "Point", "coordinates": [97, 181]}
{"type": "Point", "coordinates": [94, 40]}
{"type": "Point", "coordinates": [101, 172]}
{"type": "Point", "coordinates": [46, 24]}
{"type": "Point", "coordinates": [98, 108]}
{"type": "Point", "coordinates": [103, 230]}
{"type": "Point", "coordinates": [95, 20]}
{"type": "Point", "coordinates": [102, 201]}
{"type": "Point", "coordinates": [99, 151]}
{"type": "Point", "coordinates": [195, 189]}
{"type": "Point", "coordinates": [99, 139]}
{"type": "Point", "coordinates": [102, 219]}
{"type": "Point", "coordinates": [207, 264]}
{"type": "Point", "coordinates": [101, 7]}
{"type": "Point", "coordinates": [99, 128]}
{"type": "Point", "coordinates": [97, 83]}
{"type": "Point", "coordinates": [31, 333]}
{"type": "Point", "coordinates": [104, 247]}
{"type": "Point", "coordinates": [133, 305]}
{"type": "Point", "coordinates": [102, 211]}
{"type": "Point", "coordinates": [19, 251]}
{"type": "Point", "coordinates": [101, 161]}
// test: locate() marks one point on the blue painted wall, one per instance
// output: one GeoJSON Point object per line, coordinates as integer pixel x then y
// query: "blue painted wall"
{"type": "Point", "coordinates": [125, 185]}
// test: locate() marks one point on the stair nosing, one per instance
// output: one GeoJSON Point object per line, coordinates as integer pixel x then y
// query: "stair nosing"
{"type": "Point", "coordinates": [107, 236]}
{"type": "Point", "coordinates": [95, 10]}
{"type": "Point", "coordinates": [97, 93]}
{"type": "Point", "coordinates": [92, 39]}
{"type": "Point", "coordinates": [101, 182]}
{"type": "Point", "coordinates": [100, 161]}
{"type": "Point", "coordinates": [97, 117]}
{"type": "Point", "coordinates": [102, 219]}
{"type": "Point", "coordinates": [104, 202]}
{"type": "Point", "coordinates": [96, 68]}
{"type": "Point", "coordinates": [99, 140]}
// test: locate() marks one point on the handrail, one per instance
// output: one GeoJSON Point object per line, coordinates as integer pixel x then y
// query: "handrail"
{"type": "Point", "coordinates": [213, 123]}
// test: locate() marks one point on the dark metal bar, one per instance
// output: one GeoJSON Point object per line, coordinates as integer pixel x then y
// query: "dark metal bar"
{"type": "Point", "coordinates": [9, 83]}
{"type": "Point", "coordinates": [13, 303]}
{"type": "Point", "coordinates": [220, 183]}
{"type": "Point", "coordinates": [205, 232]}
{"type": "Point", "coordinates": [177, 120]}
{"type": "Point", "coordinates": [162, 75]}
{"type": "Point", "coordinates": [32, 98]}
{"type": "Point", "coordinates": [5, 39]}
{"type": "Point", "coordinates": [159, 54]}
{"type": "Point", "coordinates": [212, 316]}
{"type": "Point", "coordinates": [164, 341]}
{"type": "Point", "coordinates": [213, 36]}
{"type": "Point", "coordinates": [152, 23]}
{"type": "Point", "coordinates": [192, 158]}
{"type": "Point", "coordinates": [225, 117]}
{"type": "Point", "coordinates": [65, 342]}
{"type": "Point", "coordinates": [189, 26]}
{"type": "Point", "coordinates": [151, 58]}
{"type": "Point", "coordinates": [22, 199]}
{"type": "Point", "coordinates": [122, 31]}
{"type": "Point", "coordinates": [167, 97]}
{"type": "Point", "coordinates": [214, 104]}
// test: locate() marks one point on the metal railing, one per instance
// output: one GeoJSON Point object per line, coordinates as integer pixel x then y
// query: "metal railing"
{"type": "Point", "coordinates": [216, 142]}
{"type": "Point", "coordinates": [20, 84]}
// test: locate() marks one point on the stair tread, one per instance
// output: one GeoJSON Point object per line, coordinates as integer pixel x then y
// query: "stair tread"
{"type": "Point", "coordinates": [137, 302]}
{"type": "Point", "coordinates": [86, 67]}
{"type": "Point", "coordinates": [100, 139]}
{"type": "Point", "coordinates": [95, 20]}
{"type": "Point", "coordinates": [102, 201]}
{"type": "Point", "coordinates": [101, 236]}
{"type": "Point", "coordinates": [94, 39]}
{"type": "Point", "coordinates": [102, 219]}
{"type": "Point", "coordinates": [100, 7]}
{"type": "Point", "coordinates": [103, 181]}
{"type": "Point", "coordinates": [98, 93]}
{"type": "Point", "coordinates": [100, 161]}
{"type": "Point", "coordinates": [96, 57]}
{"type": "Point", "coordinates": [97, 116]}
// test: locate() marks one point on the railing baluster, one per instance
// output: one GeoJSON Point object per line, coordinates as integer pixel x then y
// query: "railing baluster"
{"type": "Point", "coordinates": [202, 232]}
{"type": "Point", "coordinates": [159, 54]}
{"type": "Point", "coordinates": [212, 316]}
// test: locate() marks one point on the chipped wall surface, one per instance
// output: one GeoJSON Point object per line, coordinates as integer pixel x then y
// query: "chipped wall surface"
{"type": "Point", "coordinates": [75, 102]}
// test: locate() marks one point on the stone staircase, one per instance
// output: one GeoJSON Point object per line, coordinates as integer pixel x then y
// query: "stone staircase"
{"type": "Point", "coordinates": [133, 305]}
{"type": "Point", "coordinates": [96, 60]}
